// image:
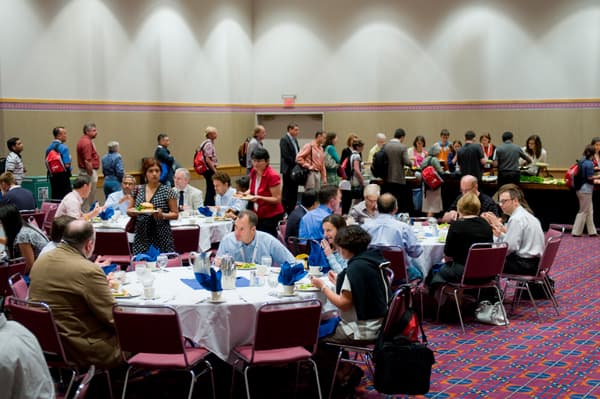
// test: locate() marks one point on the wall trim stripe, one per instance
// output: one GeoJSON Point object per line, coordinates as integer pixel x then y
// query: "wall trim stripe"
{"type": "Point", "coordinates": [11, 104]}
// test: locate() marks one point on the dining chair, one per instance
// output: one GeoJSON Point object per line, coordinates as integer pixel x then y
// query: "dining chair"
{"type": "Point", "coordinates": [483, 267]}
{"type": "Point", "coordinates": [114, 245]}
{"type": "Point", "coordinates": [186, 239]}
{"type": "Point", "coordinates": [281, 228]}
{"type": "Point", "coordinates": [7, 269]}
{"type": "Point", "coordinates": [164, 348]}
{"type": "Point", "coordinates": [298, 245]}
{"type": "Point", "coordinates": [85, 383]}
{"type": "Point", "coordinates": [285, 332]}
{"type": "Point", "coordinates": [523, 282]}
{"type": "Point", "coordinates": [49, 208]}
{"type": "Point", "coordinates": [37, 317]}
{"type": "Point", "coordinates": [34, 218]}
{"type": "Point", "coordinates": [18, 286]}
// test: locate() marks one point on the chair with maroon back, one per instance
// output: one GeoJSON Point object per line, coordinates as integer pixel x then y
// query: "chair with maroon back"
{"type": "Point", "coordinates": [186, 239]}
{"type": "Point", "coordinates": [113, 245]}
{"type": "Point", "coordinates": [281, 227]}
{"type": "Point", "coordinates": [285, 332]}
{"type": "Point", "coordinates": [34, 218]}
{"type": "Point", "coordinates": [49, 209]}
{"type": "Point", "coordinates": [18, 286]}
{"type": "Point", "coordinates": [8, 269]}
{"type": "Point", "coordinates": [164, 348]}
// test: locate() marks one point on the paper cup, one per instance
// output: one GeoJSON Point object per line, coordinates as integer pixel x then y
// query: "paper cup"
{"type": "Point", "coordinates": [288, 289]}
{"type": "Point", "coordinates": [215, 296]}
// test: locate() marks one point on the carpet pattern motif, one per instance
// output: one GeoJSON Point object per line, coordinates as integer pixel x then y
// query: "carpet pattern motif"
{"type": "Point", "coordinates": [557, 357]}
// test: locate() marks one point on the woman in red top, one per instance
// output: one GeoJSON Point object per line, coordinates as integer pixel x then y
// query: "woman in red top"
{"type": "Point", "coordinates": [265, 190]}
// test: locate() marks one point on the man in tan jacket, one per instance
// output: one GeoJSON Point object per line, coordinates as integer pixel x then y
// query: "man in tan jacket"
{"type": "Point", "coordinates": [78, 294]}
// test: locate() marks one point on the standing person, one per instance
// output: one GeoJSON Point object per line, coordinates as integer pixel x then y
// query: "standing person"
{"type": "Point", "coordinates": [533, 148]}
{"type": "Point", "coordinates": [60, 184]}
{"type": "Point", "coordinates": [395, 183]}
{"type": "Point", "coordinates": [488, 149]}
{"type": "Point", "coordinates": [166, 160]}
{"type": "Point", "coordinates": [445, 148]}
{"type": "Point", "coordinates": [88, 161]}
{"type": "Point", "coordinates": [289, 148]}
{"type": "Point", "coordinates": [188, 196]}
{"type": "Point", "coordinates": [507, 160]}
{"type": "Point", "coordinates": [585, 216]}
{"type": "Point", "coordinates": [346, 152]}
{"type": "Point", "coordinates": [14, 162]}
{"type": "Point", "coordinates": [112, 169]}
{"type": "Point", "coordinates": [432, 199]}
{"type": "Point", "coordinates": [417, 152]}
{"type": "Point", "coordinates": [312, 157]}
{"type": "Point", "coordinates": [596, 158]}
{"type": "Point", "coordinates": [332, 159]}
{"type": "Point", "coordinates": [258, 136]}
{"type": "Point", "coordinates": [452, 161]}
{"type": "Point", "coordinates": [380, 140]}
{"type": "Point", "coordinates": [153, 229]}
{"type": "Point", "coordinates": [265, 190]}
{"type": "Point", "coordinates": [210, 157]}
{"type": "Point", "coordinates": [471, 157]}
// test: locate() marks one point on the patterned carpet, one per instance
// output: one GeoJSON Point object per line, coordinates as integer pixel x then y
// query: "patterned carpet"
{"type": "Point", "coordinates": [558, 357]}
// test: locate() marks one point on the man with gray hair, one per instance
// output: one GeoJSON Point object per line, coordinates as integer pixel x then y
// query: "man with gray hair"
{"type": "Point", "coordinates": [188, 197]}
{"type": "Point", "coordinates": [380, 140]}
{"type": "Point", "coordinates": [77, 292]}
{"type": "Point", "coordinates": [122, 199]}
{"type": "Point", "coordinates": [112, 169]}
{"type": "Point", "coordinates": [88, 161]}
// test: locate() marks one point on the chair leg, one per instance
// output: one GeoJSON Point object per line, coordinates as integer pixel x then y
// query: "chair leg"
{"type": "Point", "coordinates": [109, 383]}
{"type": "Point", "coordinates": [247, 382]}
{"type": "Point", "coordinates": [125, 383]}
{"type": "Point", "coordinates": [369, 363]}
{"type": "Point", "coordinates": [502, 306]}
{"type": "Point", "coordinates": [212, 378]}
{"type": "Point", "coordinates": [337, 364]}
{"type": "Point", "coordinates": [316, 377]}
{"type": "Point", "coordinates": [297, 378]}
{"type": "Point", "coordinates": [71, 381]}
{"type": "Point", "coordinates": [191, 384]}
{"type": "Point", "coordinates": [550, 294]}
{"type": "Point", "coordinates": [462, 325]}
{"type": "Point", "coordinates": [533, 301]}
{"type": "Point", "coordinates": [233, 371]}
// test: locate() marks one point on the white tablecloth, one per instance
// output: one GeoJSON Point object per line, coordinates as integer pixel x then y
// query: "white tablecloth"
{"type": "Point", "coordinates": [219, 327]}
{"type": "Point", "coordinates": [210, 231]}
{"type": "Point", "coordinates": [433, 248]}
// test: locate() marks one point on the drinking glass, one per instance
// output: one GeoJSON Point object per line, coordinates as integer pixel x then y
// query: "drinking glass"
{"type": "Point", "coordinates": [140, 269]}
{"type": "Point", "coordinates": [161, 262]}
{"type": "Point", "coordinates": [266, 261]}
{"type": "Point", "coordinates": [272, 280]}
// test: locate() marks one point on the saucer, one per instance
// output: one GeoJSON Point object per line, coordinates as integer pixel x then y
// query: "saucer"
{"type": "Point", "coordinates": [319, 274]}
{"type": "Point", "coordinates": [216, 300]}
{"type": "Point", "coordinates": [284, 295]}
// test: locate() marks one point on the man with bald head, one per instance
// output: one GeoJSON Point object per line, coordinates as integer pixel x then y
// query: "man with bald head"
{"type": "Point", "coordinates": [77, 291]}
{"type": "Point", "coordinates": [468, 183]}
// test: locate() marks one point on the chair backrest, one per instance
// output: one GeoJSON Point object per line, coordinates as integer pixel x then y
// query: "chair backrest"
{"type": "Point", "coordinates": [18, 286]}
{"type": "Point", "coordinates": [16, 265]}
{"type": "Point", "coordinates": [297, 245]}
{"type": "Point", "coordinates": [49, 208]}
{"type": "Point", "coordinates": [112, 242]}
{"type": "Point", "coordinates": [186, 238]}
{"type": "Point", "coordinates": [485, 261]}
{"type": "Point", "coordinates": [550, 251]}
{"type": "Point", "coordinates": [397, 307]}
{"type": "Point", "coordinates": [137, 332]}
{"type": "Point", "coordinates": [85, 383]}
{"type": "Point", "coordinates": [287, 324]}
{"type": "Point", "coordinates": [34, 218]}
{"type": "Point", "coordinates": [397, 262]}
{"type": "Point", "coordinates": [37, 318]}
{"type": "Point", "coordinates": [281, 228]}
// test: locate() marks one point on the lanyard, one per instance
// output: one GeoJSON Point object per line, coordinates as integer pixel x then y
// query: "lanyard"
{"type": "Point", "coordinates": [252, 260]}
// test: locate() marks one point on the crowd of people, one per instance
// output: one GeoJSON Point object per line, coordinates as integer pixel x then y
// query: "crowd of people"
{"type": "Point", "coordinates": [348, 219]}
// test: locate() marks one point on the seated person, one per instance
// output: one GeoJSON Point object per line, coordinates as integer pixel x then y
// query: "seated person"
{"type": "Point", "coordinates": [366, 209]}
{"type": "Point", "coordinates": [467, 230]}
{"type": "Point", "coordinates": [248, 245]}
{"type": "Point", "coordinates": [226, 203]}
{"type": "Point", "coordinates": [78, 293]}
{"type": "Point", "coordinates": [523, 233]}
{"type": "Point", "coordinates": [308, 202]}
{"type": "Point", "coordinates": [15, 194]}
{"type": "Point", "coordinates": [188, 197]}
{"type": "Point", "coordinates": [72, 202]}
{"type": "Point", "coordinates": [468, 183]}
{"type": "Point", "coordinates": [329, 202]}
{"type": "Point", "coordinates": [331, 225]}
{"type": "Point", "coordinates": [57, 230]}
{"type": "Point", "coordinates": [361, 290]}
{"type": "Point", "coordinates": [121, 200]}
{"type": "Point", "coordinates": [387, 231]}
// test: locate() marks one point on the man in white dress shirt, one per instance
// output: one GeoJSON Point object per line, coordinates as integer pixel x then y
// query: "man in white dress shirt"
{"type": "Point", "coordinates": [188, 197]}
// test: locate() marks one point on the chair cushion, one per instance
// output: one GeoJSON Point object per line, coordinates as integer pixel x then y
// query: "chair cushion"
{"type": "Point", "coordinates": [283, 355]}
{"type": "Point", "coordinates": [160, 361]}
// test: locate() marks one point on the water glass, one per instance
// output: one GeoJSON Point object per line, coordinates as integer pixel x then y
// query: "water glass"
{"type": "Point", "coordinates": [272, 280]}
{"type": "Point", "coordinates": [162, 261]}
{"type": "Point", "coordinates": [140, 269]}
{"type": "Point", "coordinates": [266, 261]}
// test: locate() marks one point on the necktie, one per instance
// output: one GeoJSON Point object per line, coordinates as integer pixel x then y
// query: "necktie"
{"type": "Point", "coordinates": [181, 199]}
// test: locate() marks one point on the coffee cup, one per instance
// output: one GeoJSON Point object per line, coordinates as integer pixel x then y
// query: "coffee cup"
{"type": "Point", "coordinates": [314, 270]}
{"type": "Point", "coordinates": [288, 289]}
{"type": "Point", "coordinates": [215, 296]}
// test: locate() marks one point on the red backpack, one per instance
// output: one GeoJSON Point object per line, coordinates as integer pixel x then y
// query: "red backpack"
{"type": "Point", "coordinates": [431, 177]}
{"type": "Point", "coordinates": [199, 162]}
{"type": "Point", "coordinates": [54, 162]}
{"type": "Point", "coordinates": [573, 177]}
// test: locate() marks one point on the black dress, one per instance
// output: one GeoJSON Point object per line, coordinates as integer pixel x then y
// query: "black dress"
{"type": "Point", "coordinates": [148, 230]}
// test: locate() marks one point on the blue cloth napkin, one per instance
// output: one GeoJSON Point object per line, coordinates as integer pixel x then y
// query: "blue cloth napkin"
{"type": "Point", "coordinates": [204, 210]}
{"type": "Point", "coordinates": [317, 256]}
{"type": "Point", "coordinates": [194, 284]}
{"type": "Point", "coordinates": [212, 281]}
{"type": "Point", "coordinates": [328, 326]}
{"type": "Point", "coordinates": [93, 205]}
{"type": "Point", "coordinates": [109, 268]}
{"type": "Point", "coordinates": [149, 256]}
{"type": "Point", "coordinates": [107, 213]}
{"type": "Point", "coordinates": [288, 275]}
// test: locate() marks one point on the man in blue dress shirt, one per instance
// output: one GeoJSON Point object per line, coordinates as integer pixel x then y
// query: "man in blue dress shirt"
{"type": "Point", "coordinates": [248, 245]}
{"type": "Point", "coordinates": [311, 223]}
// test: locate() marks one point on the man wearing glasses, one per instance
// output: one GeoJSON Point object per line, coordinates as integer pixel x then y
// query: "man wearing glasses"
{"type": "Point", "coordinates": [523, 233]}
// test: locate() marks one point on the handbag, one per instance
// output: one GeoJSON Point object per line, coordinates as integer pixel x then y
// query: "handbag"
{"type": "Point", "coordinates": [299, 175]}
{"type": "Point", "coordinates": [329, 161]}
{"type": "Point", "coordinates": [491, 314]}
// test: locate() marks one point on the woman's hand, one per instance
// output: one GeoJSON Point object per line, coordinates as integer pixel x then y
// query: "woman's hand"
{"type": "Point", "coordinates": [332, 276]}
{"type": "Point", "coordinates": [326, 247]}
{"type": "Point", "coordinates": [317, 282]}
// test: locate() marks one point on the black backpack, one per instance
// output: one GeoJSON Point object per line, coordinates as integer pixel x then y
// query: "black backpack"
{"type": "Point", "coordinates": [379, 167]}
{"type": "Point", "coordinates": [243, 152]}
{"type": "Point", "coordinates": [2, 165]}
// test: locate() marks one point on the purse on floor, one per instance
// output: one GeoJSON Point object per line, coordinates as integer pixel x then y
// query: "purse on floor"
{"type": "Point", "coordinates": [491, 314]}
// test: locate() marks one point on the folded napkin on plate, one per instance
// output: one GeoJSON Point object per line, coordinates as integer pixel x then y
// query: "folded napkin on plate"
{"type": "Point", "coordinates": [194, 284]}
{"type": "Point", "coordinates": [107, 214]}
{"type": "Point", "coordinates": [212, 281]}
{"type": "Point", "coordinates": [110, 268]}
{"type": "Point", "coordinates": [149, 256]}
{"type": "Point", "coordinates": [204, 210]}
{"type": "Point", "coordinates": [317, 256]}
{"type": "Point", "coordinates": [288, 275]}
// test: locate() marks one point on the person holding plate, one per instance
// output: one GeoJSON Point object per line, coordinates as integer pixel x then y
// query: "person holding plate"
{"type": "Point", "coordinates": [152, 226]}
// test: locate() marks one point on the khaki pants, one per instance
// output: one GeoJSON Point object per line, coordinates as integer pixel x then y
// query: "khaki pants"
{"type": "Point", "coordinates": [585, 216]}
{"type": "Point", "coordinates": [313, 180]}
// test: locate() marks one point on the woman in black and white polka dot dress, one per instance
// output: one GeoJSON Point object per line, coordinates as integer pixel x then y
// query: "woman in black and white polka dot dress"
{"type": "Point", "coordinates": [153, 228]}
